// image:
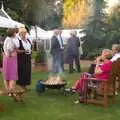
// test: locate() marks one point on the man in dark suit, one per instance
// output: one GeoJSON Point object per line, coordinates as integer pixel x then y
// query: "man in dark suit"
{"type": "Point", "coordinates": [73, 52]}
{"type": "Point", "coordinates": [57, 51]}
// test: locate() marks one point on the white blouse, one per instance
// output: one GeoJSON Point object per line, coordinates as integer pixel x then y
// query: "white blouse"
{"type": "Point", "coordinates": [10, 45]}
{"type": "Point", "coordinates": [26, 44]}
{"type": "Point", "coordinates": [115, 57]}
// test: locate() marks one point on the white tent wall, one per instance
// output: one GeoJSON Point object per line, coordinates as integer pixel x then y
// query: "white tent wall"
{"type": "Point", "coordinates": [8, 23]}
{"type": "Point", "coordinates": [47, 35]}
{"type": "Point", "coordinates": [37, 32]}
{"type": "Point", "coordinates": [42, 36]}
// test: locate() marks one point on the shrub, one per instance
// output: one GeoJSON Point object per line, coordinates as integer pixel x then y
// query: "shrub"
{"type": "Point", "coordinates": [40, 56]}
{"type": "Point", "coordinates": [93, 54]}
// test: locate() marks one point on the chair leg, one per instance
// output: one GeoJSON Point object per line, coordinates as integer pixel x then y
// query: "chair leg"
{"type": "Point", "coordinates": [1, 107]}
{"type": "Point", "coordinates": [105, 96]}
{"type": "Point", "coordinates": [113, 97]}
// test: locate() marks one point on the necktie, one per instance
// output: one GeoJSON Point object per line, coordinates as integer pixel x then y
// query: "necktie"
{"type": "Point", "coordinates": [62, 46]}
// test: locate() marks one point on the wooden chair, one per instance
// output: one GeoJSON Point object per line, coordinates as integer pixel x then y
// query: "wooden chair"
{"type": "Point", "coordinates": [104, 89]}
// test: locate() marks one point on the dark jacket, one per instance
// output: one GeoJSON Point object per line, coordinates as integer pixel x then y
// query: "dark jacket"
{"type": "Point", "coordinates": [73, 46]}
{"type": "Point", "coordinates": [55, 46]}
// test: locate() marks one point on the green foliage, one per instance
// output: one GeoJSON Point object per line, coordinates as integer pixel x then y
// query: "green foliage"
{"type": "Point", "coordinates": [40, 12]}
{"type": "Point", "coordinates": [113, 31]}
{"type": "Point", "coordinates": [40, 56]}
{"type": "Point", "coordinates": [3, 32]}
{"type": "Point", "coordinates": [52, 22]}
{"type": "Point", "coordinates": [13, 14]}
{"type": "Point", "coordinates": [14, 9]}
{"type": "Point", "coordinates": [91, 55]}
{"type": "Point", "coordinates": [96, 27]}
{"type": "Point", "coordinates": [35, 12]}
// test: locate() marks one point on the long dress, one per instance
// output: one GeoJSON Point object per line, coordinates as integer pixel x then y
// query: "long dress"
{"type": "Point", "coordinates": [10, 62]}
{"type": "Point", "coordinates": [24, 67]}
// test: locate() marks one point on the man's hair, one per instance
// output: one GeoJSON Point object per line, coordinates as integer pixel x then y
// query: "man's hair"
{"type": "Point", "coordinates": [116, 47]}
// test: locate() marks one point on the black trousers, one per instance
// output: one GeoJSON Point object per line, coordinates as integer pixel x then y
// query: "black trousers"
{"type": "Point", "coordinates": [75, 59]}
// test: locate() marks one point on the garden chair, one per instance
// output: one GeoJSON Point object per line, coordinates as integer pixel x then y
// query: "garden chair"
{"type": "Point", "coordinates": [104, 89]}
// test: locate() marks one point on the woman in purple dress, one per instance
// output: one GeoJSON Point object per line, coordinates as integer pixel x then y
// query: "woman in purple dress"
{"type": "Point", "coordinates": [10, 74]}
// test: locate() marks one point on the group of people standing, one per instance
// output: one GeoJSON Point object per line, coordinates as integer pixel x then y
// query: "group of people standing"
{"type": "Point", "coordinates": [17, 59]}
{"type": "Point", "coordinates": [68, 54]}
{"type": "Point", "coordinates": [17, 50]}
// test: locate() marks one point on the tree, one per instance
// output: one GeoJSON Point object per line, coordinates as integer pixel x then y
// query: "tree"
{"type": "Point", "coordinates": [96, 27]}
{"type": "Point", "coordinates": [14, 15]}
{"type": "Point", "coordinates": [113, 32]}
{"type": "Point", "coordinates": [37, 12]}
{"type": "Point", "coordinates": [76, 12]}
{"type": "Point", "coordinates": [13, 8]}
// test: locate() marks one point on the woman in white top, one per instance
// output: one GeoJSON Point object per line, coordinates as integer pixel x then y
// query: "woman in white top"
{"type": "Point", "coordinates": [10, 60]}
{"type": "Point", "coordinates": [24, 59]}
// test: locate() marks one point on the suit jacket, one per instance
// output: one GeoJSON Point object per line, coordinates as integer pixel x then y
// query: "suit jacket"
{"type": "Point", "coordinates": [73, 46]}
{"type": "Point", "coordinates": [55, 45]}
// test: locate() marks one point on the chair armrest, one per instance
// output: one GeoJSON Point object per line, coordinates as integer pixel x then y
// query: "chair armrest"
{"type": "Point", "coordinates": [95, 79]}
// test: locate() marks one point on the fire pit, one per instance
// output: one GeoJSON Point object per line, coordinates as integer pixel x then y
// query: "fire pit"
{"type": "Point", "coordinates": [54, 86]}
{"type": "Point", "coordinates": [54, 82]}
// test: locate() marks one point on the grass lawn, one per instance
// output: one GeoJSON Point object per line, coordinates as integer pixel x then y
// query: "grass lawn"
{"type": "Point", "coordinates": [53, 105]}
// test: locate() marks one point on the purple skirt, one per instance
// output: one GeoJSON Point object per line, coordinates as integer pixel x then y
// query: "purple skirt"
{"type": "Point", "coordinates": [10, 68]}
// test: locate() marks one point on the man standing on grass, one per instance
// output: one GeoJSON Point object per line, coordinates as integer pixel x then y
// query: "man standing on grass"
{"type": "Point", "coordinates": [57, 52]}
{"type": "Point", "coordinates": [73, 52]}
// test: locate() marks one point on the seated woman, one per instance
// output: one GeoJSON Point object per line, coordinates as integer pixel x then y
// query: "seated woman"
{"type": "Point", "coordinates": [102, 71]}
{"type": "Point", "coordinates": [92, 67]}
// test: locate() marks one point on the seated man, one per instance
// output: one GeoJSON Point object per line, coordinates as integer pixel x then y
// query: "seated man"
{"type": "Point", "coordinates": [115, 52]}
{"type": "Point", "coordinates": [116, 55]}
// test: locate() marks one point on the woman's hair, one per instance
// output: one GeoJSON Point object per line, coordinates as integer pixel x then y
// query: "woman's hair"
{"type": "Point", "coordinates": [27, 28]}
{"type": "Point", "coordinates": [108, 53]}
{"type": "Point", "coordinates": [22, 30]}
{"type": "Point", "coordinates": [11, 32]}
{"type": "Point", "coordinates": [116, 47]}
